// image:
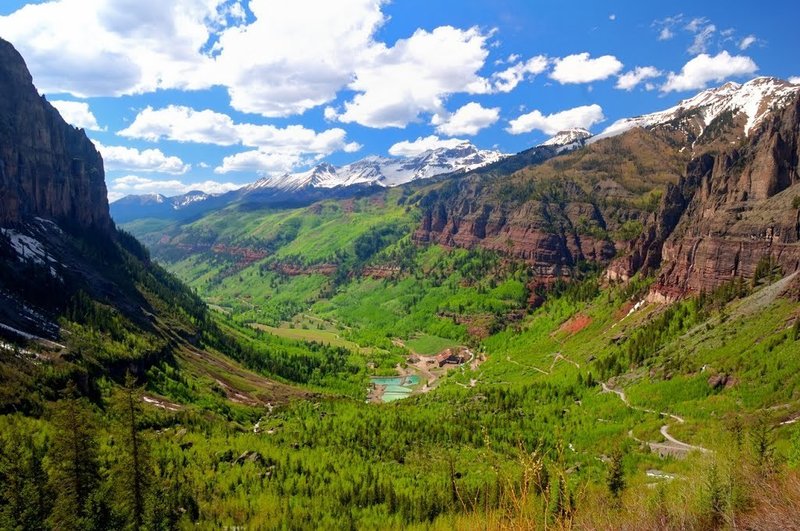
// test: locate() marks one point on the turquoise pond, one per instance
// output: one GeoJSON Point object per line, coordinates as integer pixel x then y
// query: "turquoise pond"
{"type": "Point", "coordinates": [397, 387]}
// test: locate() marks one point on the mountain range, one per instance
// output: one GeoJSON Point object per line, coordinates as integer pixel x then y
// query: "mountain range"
{"type": "Point", "coordinates": [596, 332]}
{"type": "Point", "coordinates": [747, 103]}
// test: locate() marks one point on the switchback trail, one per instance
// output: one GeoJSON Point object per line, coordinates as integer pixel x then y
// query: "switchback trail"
{"type": "Point", "coordinates": [672, 446]}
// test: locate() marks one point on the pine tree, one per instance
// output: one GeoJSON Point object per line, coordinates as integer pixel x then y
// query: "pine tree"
{"type": "Point", "coordinates": [616, 474]}
{"type": "Point", "coordinates": [75, 475]}
{"type": "Point", "coordinates": [132, 471]}
{"type": "Point", "coordinates": [25, 500]}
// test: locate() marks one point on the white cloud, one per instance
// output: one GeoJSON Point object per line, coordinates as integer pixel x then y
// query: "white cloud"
{"type": "Point", "coordinates": [665, 26]}
{"type": "Point", "coordinates": [580, 68]}
{"type": "Point", "coordinates": [584, 116]}
{"type": "Point", "coordinates": [184, 124]}
{"type": "Point", "coordinates": [701, 38]}
{"type": "Point", "coordinates": [508, 79]}
{"type": "Point", "coordinates": [696, 24]}
{"type": "Point", "coordinates": [134, 184]}
{"type": "Point", "coordinates": [416, 75]}
{"type": "Point", "coordinates": [278, 149]}
{"type": "Point", "coordinates": [114, 47]}
{"type": "Point", "coordinates": [612, 16]}
{"type": "Point", "coordinates": [296, 55]}
{"type": "Point", "coordinates": [409, 148]}
{"type": "Point", "coordinates": [747, 42]}
{"type": "Point", "coordinates": [132, 159]}
{"type": "Point", "coordinates": [468, 120]}
{"type": "Point", "coordinates": [701, 70]}
{"type": "Point", "coordinates": [282, 60]}
{"type": "Point", "coordinates": [794, 80]}
{"type": "Point", "coordinates": [629, 80]}
{"type": "Point", "coordinates": [256, 161]}
{"type": "Point", "coordinates": [78, 114]}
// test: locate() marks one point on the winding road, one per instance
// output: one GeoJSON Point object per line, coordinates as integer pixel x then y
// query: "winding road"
{"type": "Point", "coordinates": [672, 446]}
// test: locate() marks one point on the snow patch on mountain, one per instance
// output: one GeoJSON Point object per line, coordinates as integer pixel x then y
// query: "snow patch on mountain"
{"type": "Point", "coordinates": [383, 171]}
{"type": "Point", "coordinates": [568, 139]}
{"type": "Point", "coordinates": [182, 201]}
{"type": "Point", "coordinates": [755, 99]}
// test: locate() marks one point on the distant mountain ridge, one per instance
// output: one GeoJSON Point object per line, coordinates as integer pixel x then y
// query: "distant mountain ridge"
{"type": "Point", "coordinates": [733, 107]}
{"type": "Point", "coordinates": [751, 102]}
{"type": "Point", "coordinates": [384, 171]}
{"type": "Point", "coordinates": [322, 181]}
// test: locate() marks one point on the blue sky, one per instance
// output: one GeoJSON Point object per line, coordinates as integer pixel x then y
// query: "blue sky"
{"type": "Point", "coordinates": [212, 94]}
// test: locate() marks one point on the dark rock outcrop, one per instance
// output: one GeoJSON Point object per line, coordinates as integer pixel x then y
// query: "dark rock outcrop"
{"type": "Point", "coordinates": [48, 168]}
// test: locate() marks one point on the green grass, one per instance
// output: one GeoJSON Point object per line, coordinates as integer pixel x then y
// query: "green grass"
{"type": "Point", "coordinates": [320, 336]}
{"type": "Point", "coordinates": [428, 345]}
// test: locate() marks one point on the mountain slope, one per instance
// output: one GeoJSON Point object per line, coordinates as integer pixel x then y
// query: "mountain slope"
{"type": "Point", "coordinates": [79, 300]}
{"type": "Point", "coordinates": [747, 104]}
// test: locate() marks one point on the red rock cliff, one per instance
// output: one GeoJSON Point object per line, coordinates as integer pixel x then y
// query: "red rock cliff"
{"type": "Point", "coordinates": [742, 211]}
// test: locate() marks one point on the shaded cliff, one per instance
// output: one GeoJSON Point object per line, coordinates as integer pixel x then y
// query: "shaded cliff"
{"type": "Point", "coordinates": [48, 168]}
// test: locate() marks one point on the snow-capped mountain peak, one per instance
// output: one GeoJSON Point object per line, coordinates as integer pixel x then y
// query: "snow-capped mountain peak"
{"type": "Point", "coordinates": [754, 99]}
{"type": "Point", "coordinates": [188, 198]}
{"type": "Point", "coordinates": [383, 171]}
{"type": "Point", "coordinates": [568, 138]}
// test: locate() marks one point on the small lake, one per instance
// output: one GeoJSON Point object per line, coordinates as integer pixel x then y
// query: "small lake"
{"type": "Point", "coordinates": [397, 387]}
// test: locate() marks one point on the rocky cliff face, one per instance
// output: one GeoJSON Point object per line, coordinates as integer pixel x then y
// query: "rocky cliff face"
{"type": "Point", "coordinates": [742, 211]}
{"type": "Point", "coordinates": [653, 199]}
{"type": "Point", "coordinates": [48, 168]}
{"type": "Point", "coordinates": [556, 213]}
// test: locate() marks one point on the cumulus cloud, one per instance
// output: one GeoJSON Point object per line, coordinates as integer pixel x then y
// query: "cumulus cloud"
{"type": "Point", "coordinates": [747, 42]}
{"type": "Point", "coordinates": [262, 162]}
{"type": "Point", "coordinates": [148, 160]}
{"type": "Point", "coordinates": [629, 80]}
{"type": "Point", "coordinates": [581, 68]}
{"type": "Point", "coordinates": [584, 116]}
{"type": "Point", "coordinates": [409, 148]}
{"type": "Point", "coordinates": [508, 79]}
{"type": "Point", "coordinates": [184, 124]}
{"type": "Point", "coordinates": [468, 120]}
{"type": "Point", "coordinates": [278, 149]}
{"type": "Point", "coordinates": [134, 184]}
{"type": "Point", "coordinates": [701, 70]}
{"type": "Point", "coordinates": [296, 55]}
{"type": "Point", "coordinates": [416, 75]}
{"type": "Point", "coordinates": [114, 47]}
{"type": "Point", "coordinates": [78, 114]}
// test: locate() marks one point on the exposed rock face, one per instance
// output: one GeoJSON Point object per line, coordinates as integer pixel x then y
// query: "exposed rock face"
{"type": "Point", "coordinates": [730, 207]}
{"type": "Point", "coordinates": [540, 232]}
{"type": "Point", "coordinates": [742, 211]}
{"type": "Point", "coordinates": [48, 168]}
{"type": "Point", "coordinates": [559, 212]}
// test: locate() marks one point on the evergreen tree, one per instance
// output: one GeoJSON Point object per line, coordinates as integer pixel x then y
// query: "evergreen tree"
{"type": "Point", "coordinates": [75, 465]}
{"type": "Point", "coordinates": [615, 480]}
{"type": "Point", "coordinates": [132, 471]}
{"type": "Point", "coordinates": [25, 500]}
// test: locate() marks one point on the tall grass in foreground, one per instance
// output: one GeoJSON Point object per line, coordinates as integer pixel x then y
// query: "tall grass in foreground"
{"type": "Point", "coordinates": [741, 486]}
